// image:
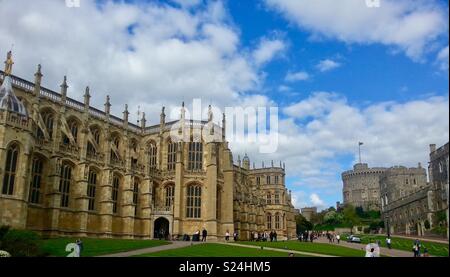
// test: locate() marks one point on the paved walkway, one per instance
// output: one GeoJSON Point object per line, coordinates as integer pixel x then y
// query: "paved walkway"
{"type": "Point", "coordinates": [172, 245]}
{"type": "Point", "coordinates": [361, 246]}
{"type": "Point", "coordinates": [276, 249]}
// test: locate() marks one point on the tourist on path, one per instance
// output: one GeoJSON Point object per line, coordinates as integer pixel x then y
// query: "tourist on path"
{"type": "Point", "coordinates": [389, 242]}
{"type": "Point", "coordinates": [204, 234]}
{"type": "Point", "coordinates": [338, 238]}
{"type": "Point", "coordinates": [227, 235]}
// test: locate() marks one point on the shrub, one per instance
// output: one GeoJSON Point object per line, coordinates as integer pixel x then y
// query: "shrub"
{"type": "Point", "coordinates": [21, 243]}
{"type": "Point", "coordinates": [366, 230]}
{"type": "Point", "coordinates": [3, 230]}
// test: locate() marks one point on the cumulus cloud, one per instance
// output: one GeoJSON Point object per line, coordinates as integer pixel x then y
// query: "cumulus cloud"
{"type": "Point", "coordinates": [267, 50]}
{"type": "Point", "coordinates": [327, 65]}
{"type": "Point", "coordinates": [442, 59]}
{"type": "Point", "coordinates": [409, 26]}
{"type": "Point", "coordinates": [316, 201]}
{"type": "Point", "coordinates": [149, 54]}
{"type": "Point", "coordinates": [297, 76]}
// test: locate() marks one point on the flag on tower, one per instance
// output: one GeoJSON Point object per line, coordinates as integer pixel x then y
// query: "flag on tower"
{"type": "Point", "coordinates": [361, 143]}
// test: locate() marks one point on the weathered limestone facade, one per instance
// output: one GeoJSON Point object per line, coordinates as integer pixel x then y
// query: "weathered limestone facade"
{"type": "Point", "coordinates": [406, 201]}
{"type": "Point", "coordinates": [70, 169]}
{"type": "Point", "coordinates": [439, 175]}
{"type": "Point", "coordinates": [362, 186]}
{"type": "Point", "coordinates": [410, 204]}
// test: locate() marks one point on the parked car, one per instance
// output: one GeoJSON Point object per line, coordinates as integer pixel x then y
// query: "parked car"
{"type": "Point", "coordinates": [353, 239]}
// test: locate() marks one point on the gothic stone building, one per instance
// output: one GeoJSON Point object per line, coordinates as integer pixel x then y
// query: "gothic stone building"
{"type": "Point", "coordinates": [70, 169]}
{"type": "Point", "coordinates": [410, 205]}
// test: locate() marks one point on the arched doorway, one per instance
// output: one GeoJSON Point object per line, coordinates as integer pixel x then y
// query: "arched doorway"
{"type": "Point", "coordinates": [161, 228]}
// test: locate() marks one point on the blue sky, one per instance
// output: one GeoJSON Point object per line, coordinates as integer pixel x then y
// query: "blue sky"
{"type": "Point", "coordinates": [339, 72]}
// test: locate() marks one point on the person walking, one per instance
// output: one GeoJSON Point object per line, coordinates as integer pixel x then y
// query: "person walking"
{"type": "Point", "coordinates": [235, 236]}
{"type": "Point", "coordinates": [416, 248]}
{"type": "Point", "coordinates": [227, 236]}
{"type": "Point", "coordinates": [338, 238]}
{"type": "Point", "coordinates": [389, 242]}
{"type": "Point", "coordinates": [79, 242]}
{"type": "Point", "coordinates": [204, 234]}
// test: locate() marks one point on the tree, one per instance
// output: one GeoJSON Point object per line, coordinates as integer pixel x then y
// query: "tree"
{"type": "Point", "coordinates": [350, 216]}
{"type": "Point", "coordinates": [302, 224]}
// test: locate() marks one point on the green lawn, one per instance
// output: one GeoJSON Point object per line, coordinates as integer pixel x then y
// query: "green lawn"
{"type": "Point", "coordinates": [434, 248]}
{"type": "Point", "coordinates": [319, 248]}
{"type": "Point", "coordinates": [217, 250]}
{"type": "Point", "coordinates": [95, 247]}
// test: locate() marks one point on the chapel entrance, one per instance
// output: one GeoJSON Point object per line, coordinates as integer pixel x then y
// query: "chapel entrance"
{"type": "Point", "coordinates": [161, 228]}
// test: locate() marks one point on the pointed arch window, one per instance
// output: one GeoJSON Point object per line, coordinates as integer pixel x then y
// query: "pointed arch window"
{"type": "Point", "coordinates": [64, 184]}
{"type": "Point", "coordinates": [152, 156]}
{"type": "Point", "coordinates": [268, 198]}
{"type": "Point", "coordinates": [170, 195]}
{"type": "Point", "coordinates": [171, 156]}
{"type": "Point", "coordinates": [12, 154]}
{"type": "Point", "coordinates": [36, 181]}
{"type": "Point", "coordinates": [195, 161]}
{"type": "Point", "coordinates": [269, 221]}
{"type": "Point", "coordinates": [91, 189]}
{"type": "Point", "coordinates": [277, 221]}
{"type": "Point", "coordinates": [194, 201]}
{"type": "Point", "coordinates": [115, 194]}
{"type": "Point", "coordinates": [136, 196]}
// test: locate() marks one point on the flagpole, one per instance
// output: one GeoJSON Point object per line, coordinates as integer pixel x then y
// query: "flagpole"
{"type": "Point", "coordinates": [359, 150]}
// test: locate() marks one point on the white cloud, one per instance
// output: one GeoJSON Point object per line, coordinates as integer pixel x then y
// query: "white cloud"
{"type": "Point", "coordinates": [267, 50]}
{"type": "Point", "coordinates": [284, 88]}
{"type": "Point", "coordinates": [442, 59]}
{"type": "Point", "coordinates": [327, 65]}
{"type": "Point", "coordinates": [297, 76]}
{"type": "Point", "coordinates": [188, 3]}
{"type": "Point", "coordinates": [150, 54]}
{"type": "Point", "coordinates": [409, 26]}
{"type": "Point", "coordinates": [316, 201]}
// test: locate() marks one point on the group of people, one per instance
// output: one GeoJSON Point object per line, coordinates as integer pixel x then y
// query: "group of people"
{"type": "Point", "coordinates": [264, 236]}
{"type": "Point", "coordinates": [227, 236]}
{"type": "Point", "coordinates": [309, 236]}
{"type": "Point", "coordinates": [197, 234]}
{"type": "Point", "coordinates": [333, 237]}
{"type": "Point", "coordinates": [419, 250]}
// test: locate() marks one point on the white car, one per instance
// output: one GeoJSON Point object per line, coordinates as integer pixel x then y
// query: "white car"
{"type": "Point", "coordinates": [353, 239]}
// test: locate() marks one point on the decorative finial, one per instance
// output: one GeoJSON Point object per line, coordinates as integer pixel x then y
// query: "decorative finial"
{"type": "Point", "coordinates": [8, 63]}
{"type": "Point", "coordinates": [64, 87]}
{"type": "Point", "coordinates": [210, 114]}
{"type": "Point", "coordinates": [125, 114]}
{"type": "Point", "coordinates": [143, 121]}
{"type": "Point", "coordinates": [108, 105]}
{"type": "Point", "coordinates": [162, 118]}
{"type": "Point", "coordinates": [87, 97]}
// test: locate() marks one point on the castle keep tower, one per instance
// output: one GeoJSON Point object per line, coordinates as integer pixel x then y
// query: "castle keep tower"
{"type": "Point", "coordinates": [362, 186]}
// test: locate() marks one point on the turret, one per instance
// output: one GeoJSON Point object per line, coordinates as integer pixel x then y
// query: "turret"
{"type": "Point", "coordinates": [246, 162]}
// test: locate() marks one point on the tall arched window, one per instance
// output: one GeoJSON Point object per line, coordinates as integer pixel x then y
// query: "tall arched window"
{"type": "Point", "coordinates": [152, 156]}
{"type": "Point", "coordinates": [12, 154]}
{"type": "Point", "coordinates": [277, 198]}
{"type": "Point", "coordinates": [170, 193]}
{"type": "Point", "coordinates": [91, 189]}
{"type": "Point", "coordinates": [258, 181]}
{"type": "Point", "coordinates": [269, 198]}
{"type": "Point", "coordinates": [277, 221]}
{"type": "Point", "coordinates": [194, 201]}
{"type": "Point", "coordinates": [64, 184]}
{"type": "Point", "coordinates": [276, 180]}
{"type": "Point", "coordinates": [195, 161]}
{"type": "Point", "coordinates": [171, 156]}
{"type": "Point", "coordinates": [136, 196]}
{"type": "Point", "coordinates": [115, 193]}
{"type": "Point", "coordinates": [48, 120]}
{"type": "Point", "coordinates": [268, 179]}
{"type": "Point", "coordinates": [73, 128]}
{"type": "Point", "coordinates": [36, 181]}
{"type": "Point", "coordinates": [269, 221]}
{"type": "Point", "coordinates": [96, 137]}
